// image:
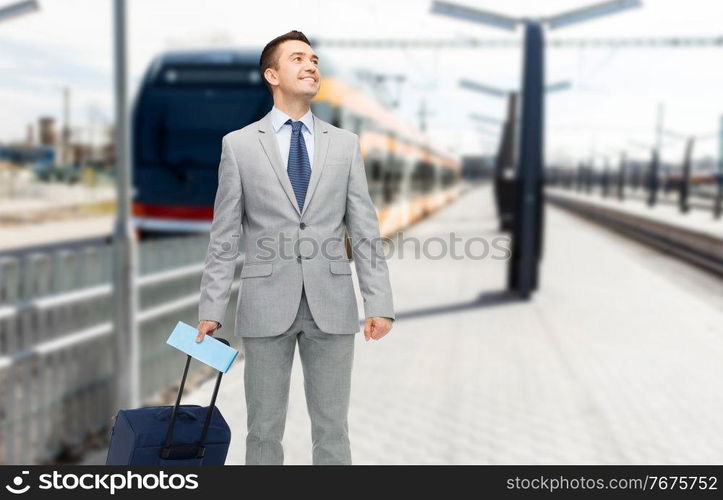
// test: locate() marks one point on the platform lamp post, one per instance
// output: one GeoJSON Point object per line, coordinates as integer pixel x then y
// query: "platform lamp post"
{"type": "Point", "coordinates": [718, 205]}
{"type": "Point", "coordinates": [18, 9]}
{"type": "Point", "coordinates": [504, 163]}
{"type": "Point", "coordinates": [686, 169]}
{"type": "Point", "coordinates": [611, 176]}
{"type": "Point", "coordinates": [651, 181]}
{"type": "Point", "coordinates": [684, 188]}
{"type": "Point", "coordinates": [687, 166]}
{"type": "Point", "coordinates": [505, 176]}
{"type": "Point", "coordinates": [526, 239]}
{"type": "Point", "coordinates": [654, 174]}
{"type": "Point", "coordinates": [605, 179]}
{"type": "Point", "coordinates": [590, 175]}
{"type": "Point", "coordinates": [127, 349]}
{"type": "Point", "coordinates": [622, 176]}
{"type": "Point", "coordinates": [579, 176]}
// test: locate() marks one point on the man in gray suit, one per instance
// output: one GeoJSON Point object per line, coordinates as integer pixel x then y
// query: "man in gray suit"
{"type": "Point", "coordinates": [295, 183]}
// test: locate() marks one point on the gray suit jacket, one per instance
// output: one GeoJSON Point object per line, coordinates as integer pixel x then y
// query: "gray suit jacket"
{"type": "Point", "coordinates": [285, 247]}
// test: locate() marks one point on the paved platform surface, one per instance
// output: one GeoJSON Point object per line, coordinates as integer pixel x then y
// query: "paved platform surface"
{"type": "Point", "coordinates": [616, 360]}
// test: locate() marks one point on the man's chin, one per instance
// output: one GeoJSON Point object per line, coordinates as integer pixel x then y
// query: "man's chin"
{"type": "Point", "coordinates": [309, 94]}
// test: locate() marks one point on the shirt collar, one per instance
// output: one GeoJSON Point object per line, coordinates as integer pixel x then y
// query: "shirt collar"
{"type": "Point", "coordinates": [278, 118]}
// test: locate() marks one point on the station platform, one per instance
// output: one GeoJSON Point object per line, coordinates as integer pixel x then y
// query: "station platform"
{"type": "Point", "coordinates": [616, 359]}
{"type": "Point", "coordinates": [47, 213]}
{"type": "Point", "coordinates": [697, 219]}
{"type": "Point", "coordinates": [695, 236]}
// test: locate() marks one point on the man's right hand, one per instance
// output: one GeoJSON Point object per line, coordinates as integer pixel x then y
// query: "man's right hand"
{"type": "Point", "coordinates": [206, 327]}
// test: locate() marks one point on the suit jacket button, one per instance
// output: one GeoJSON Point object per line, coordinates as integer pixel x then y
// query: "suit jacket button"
{"type": "Point", "coordinates": [302, 225]}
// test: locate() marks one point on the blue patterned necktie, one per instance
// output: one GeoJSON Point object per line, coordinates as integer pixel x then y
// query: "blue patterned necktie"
{"type": "Point", "coordinates": [299, 168]}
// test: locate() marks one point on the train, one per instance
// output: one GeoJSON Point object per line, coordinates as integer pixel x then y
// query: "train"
{"type": "Point", "coordinates": [189, 99]}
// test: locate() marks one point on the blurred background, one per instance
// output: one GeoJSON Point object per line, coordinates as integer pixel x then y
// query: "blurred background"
{"type": "Point", "coordinates": [571, 151]}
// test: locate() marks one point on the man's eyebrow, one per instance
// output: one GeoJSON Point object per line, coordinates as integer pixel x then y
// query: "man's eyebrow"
{"type": "Point", "coordinates": [303, 54]}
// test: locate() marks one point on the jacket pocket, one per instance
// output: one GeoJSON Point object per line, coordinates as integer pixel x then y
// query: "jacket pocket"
{"type": "Point", "coordinates": [340, 267]}
{"type": "Point", "coordinates": [255, 270]}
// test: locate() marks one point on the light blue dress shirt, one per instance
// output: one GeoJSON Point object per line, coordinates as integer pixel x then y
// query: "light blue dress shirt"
{"type": "Point", "coordinates": [283, 133]}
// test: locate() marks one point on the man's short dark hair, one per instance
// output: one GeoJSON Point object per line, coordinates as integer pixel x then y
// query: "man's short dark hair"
{"type": "Point", "coordinates": [270, 58]}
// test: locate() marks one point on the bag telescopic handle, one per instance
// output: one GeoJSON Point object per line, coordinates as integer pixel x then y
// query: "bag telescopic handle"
{"type": "Point", "coordinates": [200, 449]}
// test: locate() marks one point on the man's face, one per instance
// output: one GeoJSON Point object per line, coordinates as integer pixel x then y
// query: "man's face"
{"type": "Point", "coordinates": [298, 73]}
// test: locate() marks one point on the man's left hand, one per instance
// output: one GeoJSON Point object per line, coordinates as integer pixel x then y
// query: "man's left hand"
{"type": "Point", "coordinates": [376, 327]}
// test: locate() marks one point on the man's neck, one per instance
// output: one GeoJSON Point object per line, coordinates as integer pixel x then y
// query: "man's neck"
{"type": "Point", "coordinates": [295, 109]}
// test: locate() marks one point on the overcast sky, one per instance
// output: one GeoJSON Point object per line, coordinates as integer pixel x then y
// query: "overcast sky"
{"type": "Point", "coordinates": [613, 99]}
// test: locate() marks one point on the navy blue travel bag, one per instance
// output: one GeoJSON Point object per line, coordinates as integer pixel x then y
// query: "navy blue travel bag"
{"type": "Point", "coordinates": [171, 435]}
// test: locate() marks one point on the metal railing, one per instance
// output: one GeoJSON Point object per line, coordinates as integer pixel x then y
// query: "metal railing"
{"type": "Point", "coordinates": [611, 185]}
{"type": "Point", "coordinates": [56, 339]}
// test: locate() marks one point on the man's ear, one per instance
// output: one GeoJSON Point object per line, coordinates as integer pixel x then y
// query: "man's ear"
{"type": "Point", "coordinates": [271, 75]}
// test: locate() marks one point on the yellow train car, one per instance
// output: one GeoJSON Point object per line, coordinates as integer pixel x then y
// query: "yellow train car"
{"type": "Point", "coordinates": [408, 176]}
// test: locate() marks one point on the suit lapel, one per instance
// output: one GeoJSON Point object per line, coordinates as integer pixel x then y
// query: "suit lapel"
{"type": "Point", "coordinates": [267, 138]}
{"type": "Point", "coordinates": [321, 146]}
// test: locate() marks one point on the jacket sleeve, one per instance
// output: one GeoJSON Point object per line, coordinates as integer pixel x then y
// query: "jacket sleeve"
{"type": "Point", "coordinates": [363, 227]}
{"type": "Point", "coordinates": [223, 246]}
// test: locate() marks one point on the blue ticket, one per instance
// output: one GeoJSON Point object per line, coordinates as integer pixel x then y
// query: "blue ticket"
{"type": "Point", "coordinates": [210, 351]}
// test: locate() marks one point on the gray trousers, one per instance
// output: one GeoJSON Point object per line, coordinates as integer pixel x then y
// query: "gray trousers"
{"type": "Point", "coordinates": [326, 359]}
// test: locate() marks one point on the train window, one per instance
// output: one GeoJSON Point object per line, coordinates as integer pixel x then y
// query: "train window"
{"type": "Point", "coordinates": [392, 180]}
{"type": "Point", "coordinates": [375, 171]}
{"type": "Point", "coordinates": [211, 75]}
{"type": "Point", "coordinates": [374, 174]}
{"type": "Point", "coordinates": [423, 177]}
{"type": "Point", "coordinates": [450, 177]}
{"type": "Point", "coordinates": [183, 127]}
{"type": "Point", "coordinates": [389, 186]}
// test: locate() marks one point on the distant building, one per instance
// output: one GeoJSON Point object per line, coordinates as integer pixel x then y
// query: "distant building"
{"type": "Point", "coordinates": [48, 133]}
